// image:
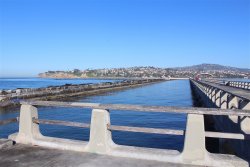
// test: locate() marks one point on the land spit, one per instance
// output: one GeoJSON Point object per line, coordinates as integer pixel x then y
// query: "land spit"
{"type": "Point", "coordinates": [10, 98]}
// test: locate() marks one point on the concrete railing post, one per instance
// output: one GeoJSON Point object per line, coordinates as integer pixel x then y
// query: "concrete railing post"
{"type": "Point", "coordinates": [194, 146]}
{"type": "Point", "coordinates": [28, 130]}
{"type": "Point", "coordinates": [224, 100]}
{"type": "Point", "coordinates": [100, 140]}
{"type": "Point", "coordinates": [218, 98]}
{"type": "Point", "coordinates": [233, 103]}
{"type": "Point", "coordinates": [245, 121]}
{"type": "Point", "coordinates": [213, 97]}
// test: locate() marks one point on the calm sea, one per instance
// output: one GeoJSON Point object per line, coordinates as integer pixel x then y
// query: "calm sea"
{"type": "Point", "coordinates": [168, 93]}
{"type": "Point", "coordinates": [13, 83]}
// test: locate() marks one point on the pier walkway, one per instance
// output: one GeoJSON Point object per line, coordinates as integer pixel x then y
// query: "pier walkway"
{"type": "Point", "coordinates": [239, 92]}
{"type": "Point", "coordinates": [21, 155]}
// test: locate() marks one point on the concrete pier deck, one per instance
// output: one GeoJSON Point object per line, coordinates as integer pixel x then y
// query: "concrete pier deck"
{"type": "Point", "coordinates": [227, 97]}
{"type": "Point", "coordinates": [235, 91]}
{"type": "Point", "coordinates": [20, 155]}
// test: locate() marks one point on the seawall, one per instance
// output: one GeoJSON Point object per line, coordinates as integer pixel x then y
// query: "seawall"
{"type": "Point", "coordinates": [9, 98]}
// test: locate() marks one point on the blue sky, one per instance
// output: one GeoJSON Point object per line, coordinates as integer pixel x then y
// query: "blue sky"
{"type": "Point", "coordinates": [41, 35]}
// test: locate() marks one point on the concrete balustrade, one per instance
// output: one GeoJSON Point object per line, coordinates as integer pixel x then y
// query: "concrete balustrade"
{"type": "Point", "coordinates": [228, 98]}
{"type": "Point", "coordinates": [225, 100]}
{"type": "Point", "coordinates": [100, 141]}
{"type": "Point", "coordinates": [236, 84]}
{"type": "Point", "coordinates": [239, 84]}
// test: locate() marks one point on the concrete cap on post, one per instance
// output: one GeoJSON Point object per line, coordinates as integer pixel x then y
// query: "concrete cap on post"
{"type": "Point", "coordinates": [100, 140]}
{"type": "Point", "coordinates": [194, 151]}
{"type": "Point", "coordinates": [245, 121]}
{"type": "Point", "coordinates": [28, 130]}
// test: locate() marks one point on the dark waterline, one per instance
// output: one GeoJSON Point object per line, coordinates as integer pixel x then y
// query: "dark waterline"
{"type": "Point", "coordinates": [169, 93]}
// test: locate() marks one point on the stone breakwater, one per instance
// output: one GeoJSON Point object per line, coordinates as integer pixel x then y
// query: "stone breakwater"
{"type": "Point", "coordinates": [12, 97]}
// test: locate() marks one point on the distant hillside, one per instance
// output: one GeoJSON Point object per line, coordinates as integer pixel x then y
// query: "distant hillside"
{"type": "Point", "coordinates": [152, 72]}
{"type": "Point", "coordinates": [211, 67]}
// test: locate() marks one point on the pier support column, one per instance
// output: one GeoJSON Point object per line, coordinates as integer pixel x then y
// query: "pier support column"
{"type": "Point", "coordinates": [233, 103]}
{"type": "Point", "coordinates": [210, 90]}
{"type": "Point", "coordinates": [194, 146]}
{"type": "Point", "coordinates": [213, 96]}
{"type": "Point", "coordinates": [245, 121]}
{"type": "Point", "coordinates": [100, 140]}
{"type": "Point", "coordinates": [218, 98]}
{"type": "Point", "coordinates": [28, 130]}
{"type": "Point", "coordinates": [223, 100]}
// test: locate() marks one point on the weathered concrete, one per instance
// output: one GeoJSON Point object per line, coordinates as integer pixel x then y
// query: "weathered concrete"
{"type": "Point", "coordinates": [228, 98]}
{"type": "Point", "coordinates": [28, 131]}
{"type": "Point", "coordinates": [101, 142]}
{"type": "Point", "coordinates": [100, 137]}
{"type": "Point", "coordinates": [24, 156]}
{"type": "Point", "coordinates": [194, 145]}
{"type": "Point", "coordinates": [5, 143]}
{"type": "Point", "coordinates": [239, 84]}
{"type": "Point", "coordinates": [235, 91]}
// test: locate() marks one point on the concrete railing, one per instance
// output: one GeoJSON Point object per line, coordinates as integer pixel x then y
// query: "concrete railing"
{"type": "Point", "coordinates": [222, 97]}
{"type": "Point", "coordinates": [239, 84]}
{"type": "Point", "coordinates": [216, 97]}
{"type": "Point", "coordinates": [100, 141]}
{"type": "Point", "coordinates": [236, 84]}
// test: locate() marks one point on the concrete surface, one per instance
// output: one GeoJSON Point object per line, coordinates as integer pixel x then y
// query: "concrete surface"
{"type": "Point", "coordinates": [100, 142]}
{"type": "Point", "coordinates": [236, 91]}
{"type": "Point", "coordinates": [228, 98]}
{"type": "Point", "coordinates": [25, 156]}
{"type": "Point", "coordinates": [5, 143]}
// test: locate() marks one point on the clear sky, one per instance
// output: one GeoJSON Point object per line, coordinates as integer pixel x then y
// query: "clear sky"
{"type": "Point", "coordinates": [41, 35]}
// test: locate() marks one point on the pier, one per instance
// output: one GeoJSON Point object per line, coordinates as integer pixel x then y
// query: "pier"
{"type": "Point", "coordinates": [227, 106]}
{"type": "Point", "coordinates": [100, 142]}
{"type": "Point", "coordinates": [231, 95]}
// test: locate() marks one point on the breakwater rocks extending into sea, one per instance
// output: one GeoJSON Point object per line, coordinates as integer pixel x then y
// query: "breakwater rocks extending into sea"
{"type": "Point", "coordinates": [12, 97]}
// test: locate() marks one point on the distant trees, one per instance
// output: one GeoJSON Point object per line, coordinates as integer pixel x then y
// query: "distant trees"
{"type": "Point", "coordinates": [77, 72]}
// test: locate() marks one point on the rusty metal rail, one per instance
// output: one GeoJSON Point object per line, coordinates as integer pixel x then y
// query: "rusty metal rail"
{"type": "Point", "coordinates": [63, 123]}
{"type": "Point", "coordinates": [143, 129]}
{"type": "Point", "coordinates": [8, 121]}
{"type": "Point", "coordinates": [141, 108]}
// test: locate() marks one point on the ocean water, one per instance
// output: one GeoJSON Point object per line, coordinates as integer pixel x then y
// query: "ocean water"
{"type": "Point", "coordinates": [168, 93]}
{"type": "Point", "coordinates": [13, 83]}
